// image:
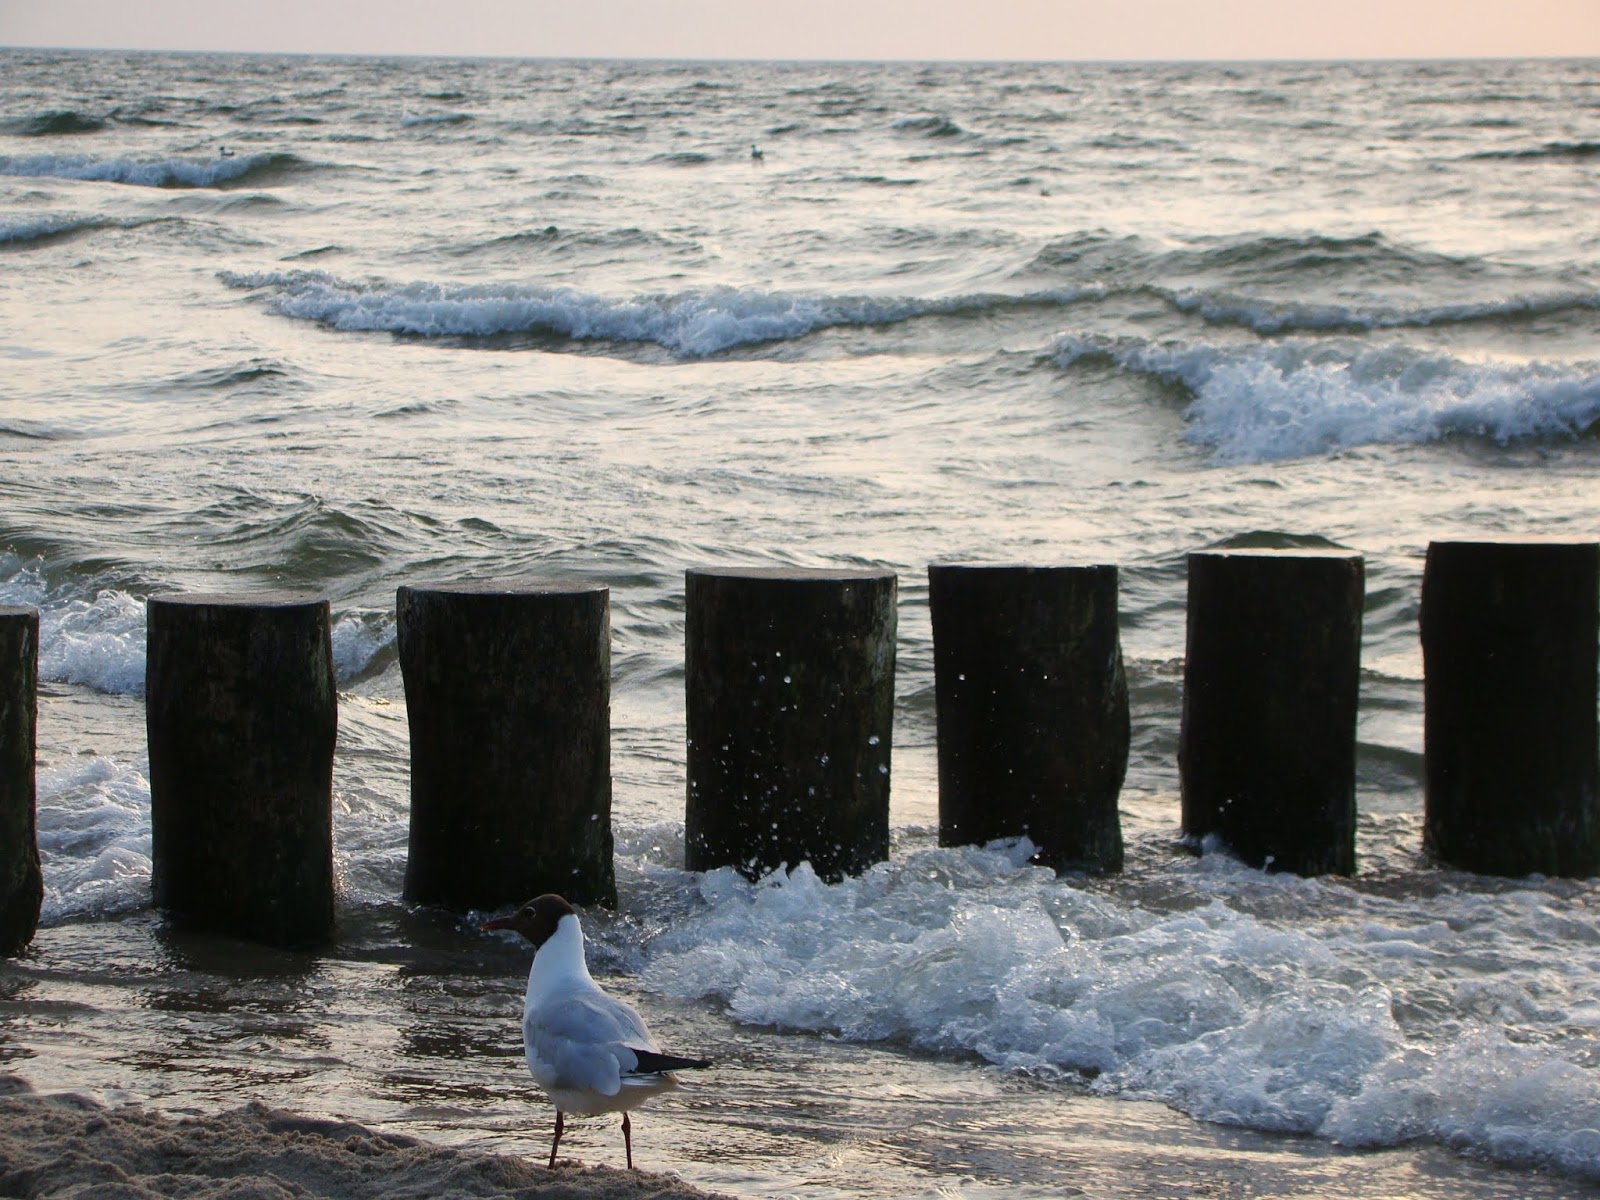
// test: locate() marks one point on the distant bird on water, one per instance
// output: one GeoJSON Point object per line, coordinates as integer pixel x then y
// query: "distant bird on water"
{"type": "Point", "coordinates": [756, 152]}
{"type": "Point", "coordinates": [590, 1053]}
{"type": "Point", "coordinates": [224, 152]}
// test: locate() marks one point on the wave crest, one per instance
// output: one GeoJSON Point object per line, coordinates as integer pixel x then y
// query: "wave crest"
{"type": "Point", "coordinates": [1290, 1023]}
{"type": "Point", "coordinates": [1301, 397]}
{"type": "Point", "coordinates": [163, 173]}
{"type": "Point", "coordinates": [52, 123]}
{"type": "Point", "coordinates": [692, 323]}
{"type": "Point", "coordinates": [33, 229]}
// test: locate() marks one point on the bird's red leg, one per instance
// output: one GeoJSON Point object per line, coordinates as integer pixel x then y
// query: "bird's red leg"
{"type": "Point", "coordinates": [557, 1140]}
{"type": "Point", "coordinates": [627, 1138]}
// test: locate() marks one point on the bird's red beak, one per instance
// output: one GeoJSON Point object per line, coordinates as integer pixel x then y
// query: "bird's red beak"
{"type": "Point", "coordinates": [497, 923]}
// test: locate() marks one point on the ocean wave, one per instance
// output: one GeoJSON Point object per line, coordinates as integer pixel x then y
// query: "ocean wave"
{"type": "Point", "coordinates": [414, 120]}
{"type": "Point", "coordinates": [363, 642]}
{"type": "Point", "coordinates": [1276, 283]}
{"type": "Point", "coordinates": [1267, 316]}
{"type": "Point", "coordinates": [216, 172]}
{"type": "Point", "coordinates": [31, 229]}
{"type": "Point", "coordinates": [1309, 255]}
{"type": "Point", "coordinates": [692, 323]}
{"type": "Point", "coordinates": [98, 640]}
{"type": "Point", "coordinates": [1253, 258]}
{"type": "Point", "coordinates": [681, 158]}
{"type": "Point", "coordinates": [1300, 397]}
{"type": "Point", "coordinates": [94, 839]}
{"type": "Point", "coordinates": [94, 640]}
{"type": "Point", "coordinates": [558, 242]}
{"type": "Point", "coordinates": [930, 125]}
{"type": "Point", "coordinates": [52, 123]}
{"type": "Point", "coordinates": [1296, 1022]}
{"type": "Point", "coordinates": [1555, 151]}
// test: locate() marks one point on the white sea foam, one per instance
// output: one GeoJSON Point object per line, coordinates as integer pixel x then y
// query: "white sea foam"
{"type": "Point", "coordinates": [98, 640]}
{"type": "Point", "coordinates": [358, 638]}
{"type": "Point", "coordinates": [1341, 1015]}
{"type": "Point", "coordinates": [1486, 1094]}
{"type": "Point", "coordinates": [166, 172]}
{"type": "Point", "coordinates": [1300, 397]}
{"type": "Point", "coordinates": [94, 838]}
{"type": "Point", "coordinates": [692, 323]}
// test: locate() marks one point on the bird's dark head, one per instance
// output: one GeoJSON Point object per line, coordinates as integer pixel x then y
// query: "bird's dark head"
{"type": "Point", "coordinates": [536, 920]}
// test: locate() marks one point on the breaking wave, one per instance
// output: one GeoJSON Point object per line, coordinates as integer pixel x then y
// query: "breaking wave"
{"type": "Point", "coordinates": [1301, 397]}
{"type": "Point", "coordinates": [1261, 1001]}
{"type": "Point", "coordinates": [161, 173]}
{"type": "Point", "coordinates": [692, 323]}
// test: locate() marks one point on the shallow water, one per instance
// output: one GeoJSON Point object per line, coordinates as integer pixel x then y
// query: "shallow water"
{"type": "Point", "coordinates": [437, 320]}
{"type": "Point", "coordinates": [424, 1041]}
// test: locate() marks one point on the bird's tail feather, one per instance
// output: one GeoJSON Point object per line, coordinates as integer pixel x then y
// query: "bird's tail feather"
{"type": "Point", "coordinates": [650, 1062]}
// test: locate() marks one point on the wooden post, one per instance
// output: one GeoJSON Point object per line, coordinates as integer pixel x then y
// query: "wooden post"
{"type": "Point", "coordinates": [242, 715]}
{"type": "Point", "coordinates": [1268, 741]}
{"type": "Point", "coordinates": [1032, 709]}
{"type": "Point", "coordinates": [508, 693]}
{"type": "Point", "coordinates": [21, 884]}
{"type": "Point", "coordinates": [790, 695]}
{"type": "Point", "coordinates": [1509, 646]}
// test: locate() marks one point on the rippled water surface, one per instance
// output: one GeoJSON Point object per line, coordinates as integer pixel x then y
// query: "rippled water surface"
{"type": "Point", "coordinates": [351, 324]}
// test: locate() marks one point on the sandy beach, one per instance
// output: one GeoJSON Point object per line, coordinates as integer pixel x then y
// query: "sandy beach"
{"type": "Point", "coordinates": [67, 1145]}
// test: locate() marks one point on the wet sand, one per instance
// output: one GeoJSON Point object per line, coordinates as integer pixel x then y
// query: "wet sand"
{"type": "Point", "coordinates": [178, 1065]}
{"type": "Point", "coordinates": [67, 1145]}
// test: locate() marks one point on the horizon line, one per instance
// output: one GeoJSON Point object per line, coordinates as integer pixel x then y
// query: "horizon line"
{"type": "Point", "coordinates": [1261, 60]}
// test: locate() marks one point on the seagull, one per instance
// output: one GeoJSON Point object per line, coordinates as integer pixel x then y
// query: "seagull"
{"type": "Point", "coordinates": [590, 1053]}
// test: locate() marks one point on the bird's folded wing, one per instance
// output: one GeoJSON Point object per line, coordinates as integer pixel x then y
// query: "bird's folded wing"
{"type": "Point", "coordinates": [579, 1042]}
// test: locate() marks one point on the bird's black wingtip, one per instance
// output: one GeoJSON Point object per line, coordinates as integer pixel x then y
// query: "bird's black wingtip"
{"type": "Point", "coordinates": [651, 1063]}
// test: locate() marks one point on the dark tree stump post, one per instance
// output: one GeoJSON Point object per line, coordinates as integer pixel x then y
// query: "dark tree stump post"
{"type": "Point", "coordinates": [790, 695]}
{"type": "Point", "coordinates": [1509, 646]}
{"type": "Point", "coordinates": [508, 692]}
{"type": "Point", "coordinates": [1267, 747]}
{"type": "Point", "coordinates": [1032, 709]}
{"type": "Point", "coordinates": [242, 716]}
{"type": "Point", "coordinates": [21, 883]}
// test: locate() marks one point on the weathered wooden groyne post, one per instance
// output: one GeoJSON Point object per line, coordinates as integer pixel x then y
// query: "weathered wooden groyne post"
{"type": "Point", "coordinates": [242, 716]}
{"type": "Point", "coordinates": [508, 693]}
{"type": "Point", "coordinates": [1032, 705]}
{"type": "Point", "coordinates": [789, 686]}
{"type": "Point", "coordinates": [21, 884]}
{"type": "Point", "coordinates": [1268, 739]}
{"type": "Point", "coordinates": [1509, 644]}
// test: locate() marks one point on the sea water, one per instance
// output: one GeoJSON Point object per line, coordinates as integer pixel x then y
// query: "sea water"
{"type": "Point", "coordinates": [349, 324]}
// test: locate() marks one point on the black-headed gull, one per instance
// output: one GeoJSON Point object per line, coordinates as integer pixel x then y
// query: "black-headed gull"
{"type": "Point", "coordinates": [590, 1053]}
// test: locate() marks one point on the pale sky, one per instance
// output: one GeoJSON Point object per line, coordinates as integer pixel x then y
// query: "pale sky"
{"type": "Point", "coordinates": [824, 29]}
